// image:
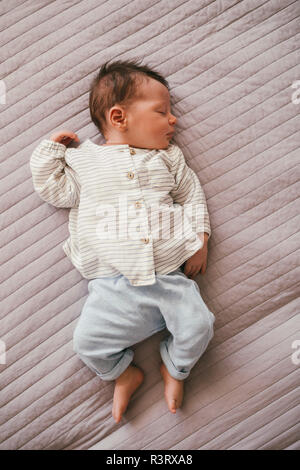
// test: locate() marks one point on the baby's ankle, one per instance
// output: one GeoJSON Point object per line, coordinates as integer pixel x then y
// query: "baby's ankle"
{"type": "Point", "coordinates": [130, 374]}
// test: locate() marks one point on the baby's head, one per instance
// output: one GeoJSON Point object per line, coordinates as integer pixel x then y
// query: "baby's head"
{"type": "Point", "coordinates": [130, 104]}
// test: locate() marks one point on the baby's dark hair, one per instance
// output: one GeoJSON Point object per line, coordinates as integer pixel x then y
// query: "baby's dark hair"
{"type": "Point", "coordinates": [117, 82]}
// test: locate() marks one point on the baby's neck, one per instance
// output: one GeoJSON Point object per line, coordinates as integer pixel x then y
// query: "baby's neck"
{"type": "Point", "coordinates": [114, 143]}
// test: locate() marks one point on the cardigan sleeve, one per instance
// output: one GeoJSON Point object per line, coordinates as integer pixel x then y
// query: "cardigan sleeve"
{"type": "Point", "coordinates": [188, 192]}
{"type": "Point", "coordinates": [53, 179]}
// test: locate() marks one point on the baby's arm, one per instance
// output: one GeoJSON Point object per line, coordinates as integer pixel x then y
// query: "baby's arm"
{"type": "Point", "coordinates": [55, 181]}
{"type": "Point", "coordinates": [188, 191]}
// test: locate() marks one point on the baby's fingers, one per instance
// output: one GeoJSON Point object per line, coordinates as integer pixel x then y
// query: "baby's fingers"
{"type": "Point", "coordinates": [75, 137]}
{"type": "Point", "coordinates": [66, 140]}
{"type": "Point", "coordinates": [64, 137]}
{"type": "Point", "coordinates": [188, 270]}
{"type": "Point", "coordinates": [69, 137]}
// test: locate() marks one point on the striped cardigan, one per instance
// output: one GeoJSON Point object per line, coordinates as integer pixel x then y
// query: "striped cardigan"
{"type": "Point", "coordinates": [134, 211]}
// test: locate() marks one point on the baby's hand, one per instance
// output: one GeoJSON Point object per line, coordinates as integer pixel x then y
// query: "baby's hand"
{"type": "Point", "coordinates": [64, 137]}
{"type": "Point", "coordinates": [197, 263]}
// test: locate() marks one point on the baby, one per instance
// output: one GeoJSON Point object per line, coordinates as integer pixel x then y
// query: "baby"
{"type": "Point", "coordinates": [141, 280]}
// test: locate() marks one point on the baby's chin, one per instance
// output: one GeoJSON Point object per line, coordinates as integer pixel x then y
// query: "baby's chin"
{"type": "Point", "coordinates": [167, 145]}
{"type": "Point", "coordinates": [159, 146]}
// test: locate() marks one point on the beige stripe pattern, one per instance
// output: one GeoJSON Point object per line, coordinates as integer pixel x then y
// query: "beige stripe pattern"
{"type": "Point", "coordinates": [134, 211]}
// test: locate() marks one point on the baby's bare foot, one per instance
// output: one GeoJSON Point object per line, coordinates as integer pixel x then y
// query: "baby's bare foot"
{"type": "Point", "coordinates": [173, 389]}
{"type": "Point", "coordinates": [125, 386]}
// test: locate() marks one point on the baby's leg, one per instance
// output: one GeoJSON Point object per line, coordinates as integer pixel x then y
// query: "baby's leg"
{"type": "Point", "coordinates": [190, 323]}
{"type": "Point", "coordinates": [115, 316]}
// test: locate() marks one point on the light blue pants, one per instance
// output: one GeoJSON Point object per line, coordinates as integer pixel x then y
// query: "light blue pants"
{"type": "Point", "coordinates": [117, 315]}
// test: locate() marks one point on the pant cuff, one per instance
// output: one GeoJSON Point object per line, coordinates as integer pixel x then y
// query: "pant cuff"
{"type": "Point", "coordinates": [175, 373]}
{"type": "Point", "coordinates": [119, 368]}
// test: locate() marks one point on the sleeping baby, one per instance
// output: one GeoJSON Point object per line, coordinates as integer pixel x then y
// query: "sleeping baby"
{"type": "Point", "coordinates": [138, 231]}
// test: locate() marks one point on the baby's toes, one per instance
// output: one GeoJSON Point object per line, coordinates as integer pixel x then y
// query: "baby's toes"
{"type": "Point", "coordinates": [117, 414]}
{"type": "Point", "coordinates": [172, 404]}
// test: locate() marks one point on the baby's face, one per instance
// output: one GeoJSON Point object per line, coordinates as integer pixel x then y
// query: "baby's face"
{"type": "Point", "coordinates": [149, 118]}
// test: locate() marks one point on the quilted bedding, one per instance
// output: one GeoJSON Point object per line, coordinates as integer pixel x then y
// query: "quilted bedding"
{"type": "Point", "coordinates": [233, 67]}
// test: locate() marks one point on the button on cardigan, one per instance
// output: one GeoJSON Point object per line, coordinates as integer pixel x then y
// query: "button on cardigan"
{"type": "Point", "coordinates": [134, 211]}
